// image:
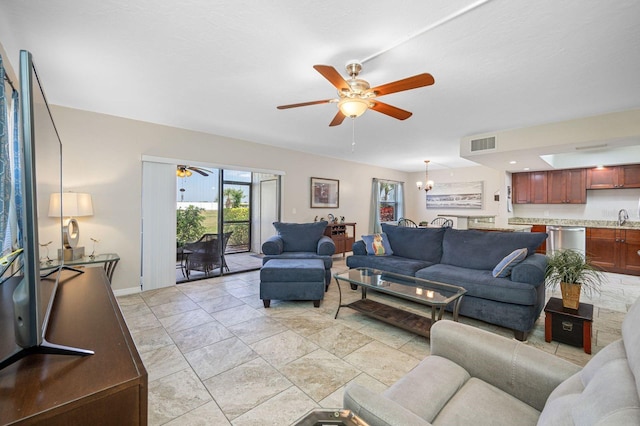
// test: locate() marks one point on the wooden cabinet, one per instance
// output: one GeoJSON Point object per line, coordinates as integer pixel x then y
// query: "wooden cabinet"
{"type": "Point", "coordinates": [530, 188]}
{"type": "Point", "coordinates": [614, 177]}
{"type": "Point", "coordinates": [542, 248]}
{"type": "Point", "coordinates": [343, 236]}
{"type": "Point", "coordinates": [107, 388]}
{"type": "Point", "coordinates": [614, 250]}
{"type": "Point", "coordinates": [567, 186]}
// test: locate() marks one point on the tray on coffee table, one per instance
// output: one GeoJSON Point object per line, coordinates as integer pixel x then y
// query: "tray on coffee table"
{"type": "Point", "coordinates": [431, 293]}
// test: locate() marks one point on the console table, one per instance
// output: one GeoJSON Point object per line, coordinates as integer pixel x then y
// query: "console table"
{"type": "Point", "coordinates": [107, 388]}
{"type": "Point", "coordinates": [343, 236]}
{"type": "Point", "coordinates": [108, 260]}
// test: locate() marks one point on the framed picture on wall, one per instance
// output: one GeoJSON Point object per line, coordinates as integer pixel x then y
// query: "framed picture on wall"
{"type": "Point", "coordinates": [325, 193]}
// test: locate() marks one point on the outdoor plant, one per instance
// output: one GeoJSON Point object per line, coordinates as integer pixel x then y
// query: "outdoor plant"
{"type": "Point", "coordinates": [189, 226]}
{"type": "Point", "coordinates": [574, 272]}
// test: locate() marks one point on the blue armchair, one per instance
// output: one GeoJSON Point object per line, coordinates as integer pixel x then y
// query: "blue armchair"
{"type": "Point", "coordinates": [301, 241]}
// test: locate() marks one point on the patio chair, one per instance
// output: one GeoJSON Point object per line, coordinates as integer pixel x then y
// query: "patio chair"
{"type": "Point", "coordinates": [207, 253]}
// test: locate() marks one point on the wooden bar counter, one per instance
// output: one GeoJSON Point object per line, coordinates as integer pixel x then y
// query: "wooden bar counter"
{"type": "Point", "coordinates": [107, 388]}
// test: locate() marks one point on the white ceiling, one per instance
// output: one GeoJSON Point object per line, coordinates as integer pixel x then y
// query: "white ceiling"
{"type": "Point", "coordinates": [222, 67]}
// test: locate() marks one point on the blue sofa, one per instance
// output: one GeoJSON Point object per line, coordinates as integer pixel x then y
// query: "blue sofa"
{"type": "Point", "coordinates": [467, 258]}
{"type": "Point", "coordinates": [301, 241]}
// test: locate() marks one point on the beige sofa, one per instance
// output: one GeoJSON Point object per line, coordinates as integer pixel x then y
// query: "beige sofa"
{"type": "Point", "coordinates": [474, 377]}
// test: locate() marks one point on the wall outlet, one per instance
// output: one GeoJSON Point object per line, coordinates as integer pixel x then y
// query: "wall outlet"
{"type": "Point", "coordinates": [294, 211]}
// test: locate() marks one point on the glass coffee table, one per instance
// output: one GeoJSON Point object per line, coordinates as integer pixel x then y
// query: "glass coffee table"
{"type": "Point", "coordinates": [434, 294]}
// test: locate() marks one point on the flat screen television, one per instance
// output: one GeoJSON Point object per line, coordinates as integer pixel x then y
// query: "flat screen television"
{"type": "Point", "coordinates": [41, 174]}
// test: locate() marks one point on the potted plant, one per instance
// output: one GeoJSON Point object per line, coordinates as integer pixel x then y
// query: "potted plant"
{"type": "Point", "coordinates": [575, 274]}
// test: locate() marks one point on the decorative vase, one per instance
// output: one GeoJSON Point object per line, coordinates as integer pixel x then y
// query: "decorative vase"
{"type": "Point", "coordinates": [570, 295]}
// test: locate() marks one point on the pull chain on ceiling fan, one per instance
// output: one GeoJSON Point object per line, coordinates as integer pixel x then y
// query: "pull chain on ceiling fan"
{"type": "Point", "coordinates": [355, 95]}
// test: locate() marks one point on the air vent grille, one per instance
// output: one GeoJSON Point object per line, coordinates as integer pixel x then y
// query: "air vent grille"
{"type": "Point", "coordinates": [483, 144]}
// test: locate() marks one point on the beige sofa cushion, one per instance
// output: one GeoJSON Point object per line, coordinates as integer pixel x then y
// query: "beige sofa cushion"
{"type": "Point", "coordinates": [605, 391]}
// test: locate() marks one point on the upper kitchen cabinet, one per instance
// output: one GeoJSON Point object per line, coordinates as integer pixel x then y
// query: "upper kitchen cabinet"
{"type": "Point", "coordinates": [614, 177]}
{"type": "Point", "coordinates": [530, 188]}
{"type": "Point", "coordinates": [567, 186]}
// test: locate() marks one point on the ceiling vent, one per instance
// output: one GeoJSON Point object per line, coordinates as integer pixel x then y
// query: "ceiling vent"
{"type": "Point", "coordinates": [483, 144]}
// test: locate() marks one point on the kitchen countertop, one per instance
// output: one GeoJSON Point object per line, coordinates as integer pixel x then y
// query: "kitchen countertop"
{"type": "Point", "coordinates": [574, 222]}
{"type": "Point", "coordinates": [483, 226]}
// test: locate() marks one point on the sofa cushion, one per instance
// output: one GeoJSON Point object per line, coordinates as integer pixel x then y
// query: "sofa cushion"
{"type": "Point", "coordinates": [463, 247]}
{"type": "Point", "coordinates": [427, 397]}
{"type": "Point", "coordinates": [479, 403]}
{"type": "Point", "coordinates": [482, 284]}
{"type": "Point", "coordinates": [503, 269]}
{"type": "Point", "coordinates": [300, 236]}
{"type": "Point", "coordinates": [415, 243]}
{"type": "Point", "coordinates": [377, 244]}
{"type": "Point", "coordinates": [398, 265]}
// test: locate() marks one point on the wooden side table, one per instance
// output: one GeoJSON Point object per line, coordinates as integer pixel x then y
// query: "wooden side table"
{"type": "Point", "coordinates": [568, 325]}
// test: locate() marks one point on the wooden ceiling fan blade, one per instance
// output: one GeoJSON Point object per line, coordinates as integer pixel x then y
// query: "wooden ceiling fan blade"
{"type": "Point", "coordinates": [199, 170]}
{"type": "Point", "coordinates": [338, 119]}
{"type": "Point", "coordinates": [334, 77]}
{"type": "Point", "coordinates": [390, 110]}
{"type": "Point", "coordinates": [408, 83]}
{"type": "Point", "coordinates": [325, 101]}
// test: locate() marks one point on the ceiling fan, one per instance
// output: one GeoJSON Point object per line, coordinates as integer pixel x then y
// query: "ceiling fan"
{"type": "Point", "coordinates": [185, 171]}
{"type": "Point", "coordinates": [355, 96]}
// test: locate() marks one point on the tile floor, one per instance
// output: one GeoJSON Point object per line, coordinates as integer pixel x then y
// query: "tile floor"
{"type": "Point", "coordinates": [215, 356]}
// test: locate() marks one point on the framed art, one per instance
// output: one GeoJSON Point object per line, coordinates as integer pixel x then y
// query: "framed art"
{"type": "Point", "coordinates": [325, 193]}
{"type": "Point", "coordinates": [458, 195]}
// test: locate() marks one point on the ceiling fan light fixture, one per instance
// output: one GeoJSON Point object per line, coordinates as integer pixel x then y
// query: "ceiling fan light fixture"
{"type": "Point", "coordinates": [353, 107]}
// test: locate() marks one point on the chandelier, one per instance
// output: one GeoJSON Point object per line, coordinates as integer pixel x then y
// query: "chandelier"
{"type": "Point", "coordinates": [428, 184]}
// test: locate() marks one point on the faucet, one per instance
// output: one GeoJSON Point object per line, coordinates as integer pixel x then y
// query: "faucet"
{"type": "Point", "coordinates": [623, 216]}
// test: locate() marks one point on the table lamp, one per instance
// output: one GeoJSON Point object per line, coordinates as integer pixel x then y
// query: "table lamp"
{"type": "Point", "coordinates": [70, 205]}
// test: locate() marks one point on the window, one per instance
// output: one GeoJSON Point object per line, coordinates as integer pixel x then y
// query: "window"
{"type": "Point", "coordinates": [387, 202]}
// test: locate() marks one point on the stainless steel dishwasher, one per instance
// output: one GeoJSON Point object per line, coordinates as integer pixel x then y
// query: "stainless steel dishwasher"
{"type": "Point", "coordinates": [566, 237]}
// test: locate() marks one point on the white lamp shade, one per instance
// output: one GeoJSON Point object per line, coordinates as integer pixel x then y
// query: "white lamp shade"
{"type": "Point", "coordinates": [72, 204]}
{"type": "Point", "coordinates": [353, 107]}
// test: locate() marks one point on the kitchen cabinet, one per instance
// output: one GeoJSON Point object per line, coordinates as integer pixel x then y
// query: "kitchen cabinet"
{"type": "Point", "coordinates": [542, 248]}
{"type": "Point", "coordinates": [567, 186]}
{"type": "Point", "coordinates": [614, 250]}
{"type": "Point", "coordinates": [529, 188]}
{"type": "Point", "coordinates": [343, 236]}
{"type": "Point", "coordinates": [627, 176]}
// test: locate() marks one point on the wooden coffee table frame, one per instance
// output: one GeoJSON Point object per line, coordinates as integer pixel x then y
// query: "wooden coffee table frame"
{"type": "Point", "coordinates": [434, 294]}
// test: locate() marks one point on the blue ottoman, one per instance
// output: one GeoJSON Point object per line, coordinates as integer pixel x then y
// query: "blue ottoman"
{"type": "Point", "coordinates": [292, 279]}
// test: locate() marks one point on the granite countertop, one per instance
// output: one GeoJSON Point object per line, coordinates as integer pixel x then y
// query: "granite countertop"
{"type": "Point", "coordinates": [484, 226]}
{"type": "Point", "coordinates": [629, 224]}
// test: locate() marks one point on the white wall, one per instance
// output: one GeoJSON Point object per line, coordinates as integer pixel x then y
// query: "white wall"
{"type": "Point", "coordinates": [494, 180]}
{"type": "Point", "coordinates": [102, 156]}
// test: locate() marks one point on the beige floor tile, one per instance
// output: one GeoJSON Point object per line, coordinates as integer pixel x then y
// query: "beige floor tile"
{"type": "Point", "coordinates": [173, 308]}
{"type": "Point", "coordinates": [163, 361]}
{"type": "Point", "coordinates": [205, 415]}
{"type": "Point", "coordinates": [335, 399]}
{"type": "Point", "coordinates": [308, 323]}
{"type": "Point", "coordinates": [151, 339]}
{"type": "Point", "coordinates": [240, 389]}
{"type": "Point", "coordinates": [382, 362]}
{"type": "Point", "coordinates": [142, 322]}
{"type": "Point", "coordinates": [220, 303]}
{"type": "Point", "coordinates": [319, 373]}
{"type": "Point", "coordinates": [134, 309]}
{"type": "Point", "coordinates": [256, 329]}
{"type": "Point", "coordinates": [175, 395]}
{"type": "Point", "coordinates": [236, 315]}
{"type": "Point", "coordinates": [282, 348]}
{"type": "Point", "coordinates": [219, 357]}
{"type": "Point", "coordinates": [282, 409]}
{"type": "Point", "coordinates": [340, 340]}
{"type": "Point", "coordinates": [200, 336]}
{"type": "Point", "coordinates": [185, 320]}
{"type": "Point", "coordinates": [163, 295]}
